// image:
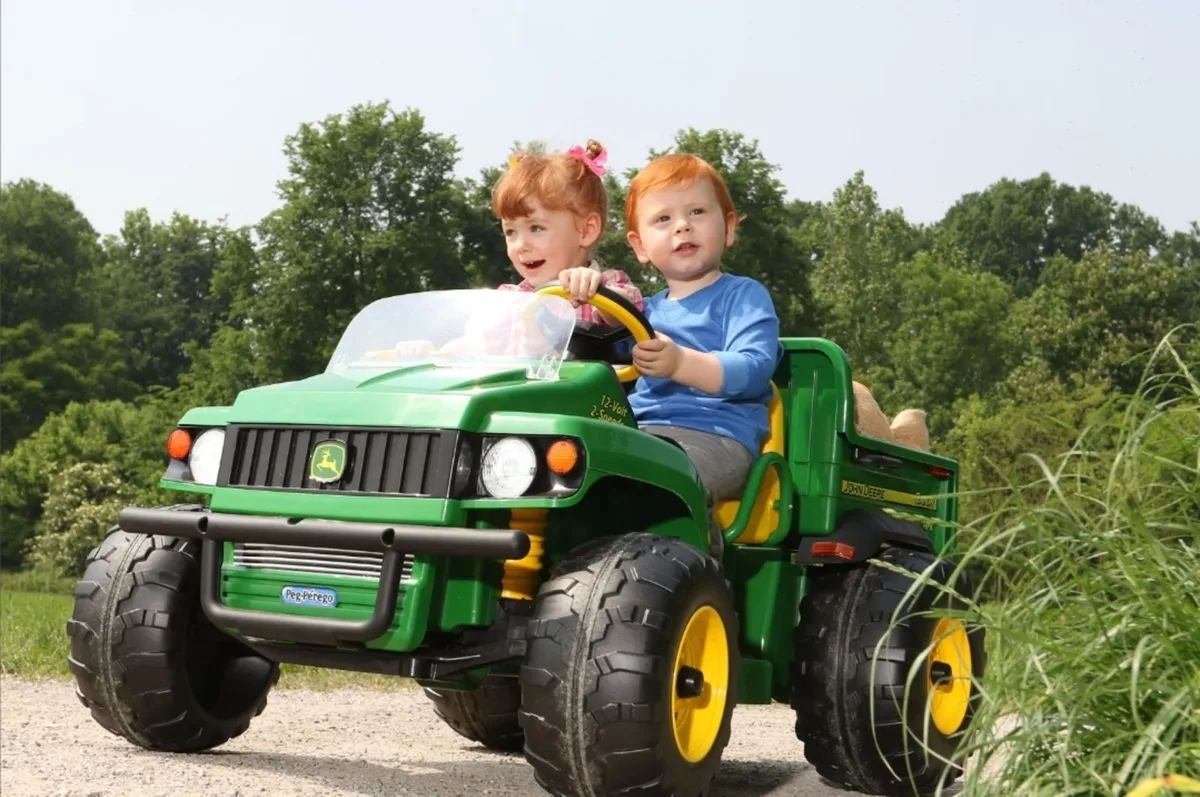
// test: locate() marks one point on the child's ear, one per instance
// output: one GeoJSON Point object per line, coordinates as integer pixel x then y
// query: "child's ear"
{"type": "Point", "coordinates": [731, 221]}
{"type": "Point", "coordinates": [635, 242]}
{"type": "Point", "coordinates": [589, 233]}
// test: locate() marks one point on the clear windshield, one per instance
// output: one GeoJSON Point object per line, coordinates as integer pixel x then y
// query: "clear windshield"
{"type": "Point", "coordinates": [470, 328]}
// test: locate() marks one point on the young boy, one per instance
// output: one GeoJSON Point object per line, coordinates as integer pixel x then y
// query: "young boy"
{"type": "Point", "coordinates": [706, 377]}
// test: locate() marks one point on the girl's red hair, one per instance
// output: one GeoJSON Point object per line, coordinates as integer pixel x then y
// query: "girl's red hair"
{"type": "Point", "coordinates": [556, 182]}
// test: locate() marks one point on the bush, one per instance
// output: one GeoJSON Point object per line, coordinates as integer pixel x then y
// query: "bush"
{"type": "Point", "coordinates": [129, 437]}
{"type": "Point", "coordinates": [82, 504]}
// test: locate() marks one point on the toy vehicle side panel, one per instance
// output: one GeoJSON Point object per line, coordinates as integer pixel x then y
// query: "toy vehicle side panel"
{"type": "Point", "coordinates": [836, 469]}
{"type": "Point", "coordinates": [839, 476]}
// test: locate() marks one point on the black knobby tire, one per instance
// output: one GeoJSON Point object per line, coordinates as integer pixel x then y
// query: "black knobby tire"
{"type": "Point", "coordinates": [146, 661]}
{"type": "Point", "coordinates": [599, 671]}
{"type": "Point", "coordinates": [849, 738]}
{"type": "Point", "coordinates": [487, 715]}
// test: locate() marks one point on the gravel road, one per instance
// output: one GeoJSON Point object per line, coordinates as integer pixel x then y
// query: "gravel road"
{"type": "Point", "coordinates": [346, 743]}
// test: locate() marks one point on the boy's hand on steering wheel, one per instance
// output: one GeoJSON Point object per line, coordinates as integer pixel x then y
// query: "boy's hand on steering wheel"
{"type": "Point", "coordinates": [659, 357]}
{"type": "Point", "coordinates": [581, 283]}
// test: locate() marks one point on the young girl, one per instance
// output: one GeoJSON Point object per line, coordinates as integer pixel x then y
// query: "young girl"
{"type": "Point", "coordinates": [553, 209]}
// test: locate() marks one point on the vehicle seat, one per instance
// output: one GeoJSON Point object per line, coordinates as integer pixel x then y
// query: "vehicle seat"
{"type": "Point", "coordinates": [765, 516]}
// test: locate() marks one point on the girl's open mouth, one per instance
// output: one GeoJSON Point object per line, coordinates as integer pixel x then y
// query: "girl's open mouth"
{"type": "Point", "coordinates": [534, 265]}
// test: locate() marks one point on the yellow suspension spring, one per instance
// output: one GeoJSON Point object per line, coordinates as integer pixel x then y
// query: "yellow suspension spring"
{"type": "Point", "coordinates": [522, 575]}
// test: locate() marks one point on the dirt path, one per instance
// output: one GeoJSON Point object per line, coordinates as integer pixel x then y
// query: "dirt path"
{"type": "Point", "coordinates": [346, 743]}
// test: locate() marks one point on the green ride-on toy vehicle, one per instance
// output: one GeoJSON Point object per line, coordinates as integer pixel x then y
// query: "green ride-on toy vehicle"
{"type": "Point", "coordinates": [463, 498]}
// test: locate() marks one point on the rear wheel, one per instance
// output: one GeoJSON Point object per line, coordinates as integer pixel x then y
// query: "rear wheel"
{"type": "Point", "coordinates": [864, 726]}
{"type": "Point", "coordinates": [630, 672]}
{"type": "Point", "coordinates": [487, 715]}
{"type": "Point", "coordinates": [146, 661]}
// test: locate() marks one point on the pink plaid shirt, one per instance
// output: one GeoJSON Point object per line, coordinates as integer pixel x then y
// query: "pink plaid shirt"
{"type": "Point", "coordinates": [615, 280]}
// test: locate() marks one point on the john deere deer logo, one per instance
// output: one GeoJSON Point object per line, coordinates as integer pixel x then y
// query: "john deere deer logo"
{"type": "Point", "coordinates": [328, 461]}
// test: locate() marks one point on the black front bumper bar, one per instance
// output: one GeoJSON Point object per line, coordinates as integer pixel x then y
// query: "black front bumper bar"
{"type": "Point", "coordinates": [393, 540]}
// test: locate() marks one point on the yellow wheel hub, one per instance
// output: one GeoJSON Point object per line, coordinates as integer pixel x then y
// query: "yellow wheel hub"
{"type": "Point", "coordinates": [949, 674]}
{"type": "Point", "coordinates": [701, 684]}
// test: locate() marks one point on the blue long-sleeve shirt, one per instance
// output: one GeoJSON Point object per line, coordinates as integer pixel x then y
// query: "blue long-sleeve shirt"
{"type": "Point", "coordinates": [734, 319]}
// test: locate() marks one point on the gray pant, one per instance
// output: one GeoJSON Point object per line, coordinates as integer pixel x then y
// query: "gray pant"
{"type": "Point", "coordinates": [722, 462]}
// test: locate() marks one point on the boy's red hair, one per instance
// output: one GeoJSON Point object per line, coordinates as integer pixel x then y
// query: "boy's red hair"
{"type": "Point", "coordinates": [677, 170]}
{"type": "Point", "coordinates": [556, 182]}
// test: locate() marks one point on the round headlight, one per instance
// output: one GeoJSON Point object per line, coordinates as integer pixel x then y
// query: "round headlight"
{"type": "Point", "coordinates": [205, 457]}
{"type": "Point", "coordinates": [508, 467]}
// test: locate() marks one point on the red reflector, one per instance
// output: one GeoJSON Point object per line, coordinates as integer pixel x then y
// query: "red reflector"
{"type": "Point", "coordinates": [840, 550]}
{"type": "Point", "coordinates": [941, 473]}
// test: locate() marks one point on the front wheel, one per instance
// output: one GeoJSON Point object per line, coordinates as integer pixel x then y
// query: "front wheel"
{"type": "Point", "coordinates": [629, 676]}
{"type": "Point", "coordinates": [865, 723]}
{"type": "Point", "coordinates": [146, 661]}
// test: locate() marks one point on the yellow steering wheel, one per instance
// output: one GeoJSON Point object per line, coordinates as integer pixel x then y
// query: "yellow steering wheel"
{"type": "Point", "coordinates": [619, 308]}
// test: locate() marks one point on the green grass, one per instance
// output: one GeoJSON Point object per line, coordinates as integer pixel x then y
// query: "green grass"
{"type": "Point", "coordinates": [33, 640]}
{"type": "Point", "coordinates": [1094, 684]}
{"type": "Point", "coordinates": [34, 608]}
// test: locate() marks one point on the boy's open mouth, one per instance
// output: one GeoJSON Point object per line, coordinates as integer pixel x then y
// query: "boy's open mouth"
{"type": "Point", "coordinates": [685, 248]}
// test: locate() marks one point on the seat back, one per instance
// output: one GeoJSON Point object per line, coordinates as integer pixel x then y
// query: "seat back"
{"type": "Point", "coordinates": [765, 515]}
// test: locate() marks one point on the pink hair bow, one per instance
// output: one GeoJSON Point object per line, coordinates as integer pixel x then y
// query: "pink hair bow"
{"type": "Point", "coordinates": [596, 164]}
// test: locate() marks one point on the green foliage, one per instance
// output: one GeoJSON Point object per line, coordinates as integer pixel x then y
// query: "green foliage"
{"type": "Point", "coordinates": [999, 439]}
{"type": "Point", "coordinates": [127, 437]}
{"type": "Point", "coordinates": [1014, 228]}
{"type": "Point", "coordinates": [855, 279]}
{"type": "Point", "coordinates": [43, 371]}
{"type": "Point", "coordinates": [47, 253]}
{"type": "Point", "coordinates": [81, 506]}
{"type": "Point", "coordinates": [232, 363]}
{"type": "Point", "coordinates": [1095, 684]}
{"type": "Point", "coordinates": [156, 290]}
{"type": "Point", "coordinates": [1099, 316]}
{"type": "Point", "coordinates": [952, 340]}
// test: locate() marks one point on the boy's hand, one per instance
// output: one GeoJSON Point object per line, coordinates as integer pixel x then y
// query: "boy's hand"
{"type": "Point", "coordinates": [660, 357]}
{"type": "Point", "coordinates": [581, 283]}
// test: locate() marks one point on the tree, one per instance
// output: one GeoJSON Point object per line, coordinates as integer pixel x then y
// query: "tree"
{"type": "Point", "coordinates": [1013, 228]}
{"type": "Point", "coordinates": [855, 279]}
{"type": "Point", "coordinates": [1095, 317]}
{"type": "Point", "coordinates": [952, 339]}
{"type": "Point", "coordinates": [47, 253]}
{"type": "Point", "coordinates": [483, 252]}
{"type": "Point", "coordinates": [43, 372]}
{"type": "Point", "coordinates": [232, 362]}
{"type": "Point", "coordinates": [370, 210]}
{"type": "Point", "coordinates": [157, 291]}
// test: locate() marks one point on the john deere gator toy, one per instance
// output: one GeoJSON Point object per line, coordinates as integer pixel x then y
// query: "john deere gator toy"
{"type": "Point", "coordinates": [490, 522]}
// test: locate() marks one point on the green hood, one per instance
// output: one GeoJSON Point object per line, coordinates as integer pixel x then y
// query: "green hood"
{"type": "Point", "coordinates": [424, 396]}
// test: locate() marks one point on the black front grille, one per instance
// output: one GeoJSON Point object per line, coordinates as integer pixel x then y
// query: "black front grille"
{"type": "Point", "coordinates": [378, 461]}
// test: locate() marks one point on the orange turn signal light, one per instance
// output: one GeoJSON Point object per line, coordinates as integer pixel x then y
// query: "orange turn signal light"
{"type": "Point", "coordinates": [562, 456]}
{"type": "Point", "coordinates": [179, 443]}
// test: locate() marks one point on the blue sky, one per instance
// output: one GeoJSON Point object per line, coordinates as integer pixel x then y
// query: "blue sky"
{"type": "Point", "coordinates": [184, 106]}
